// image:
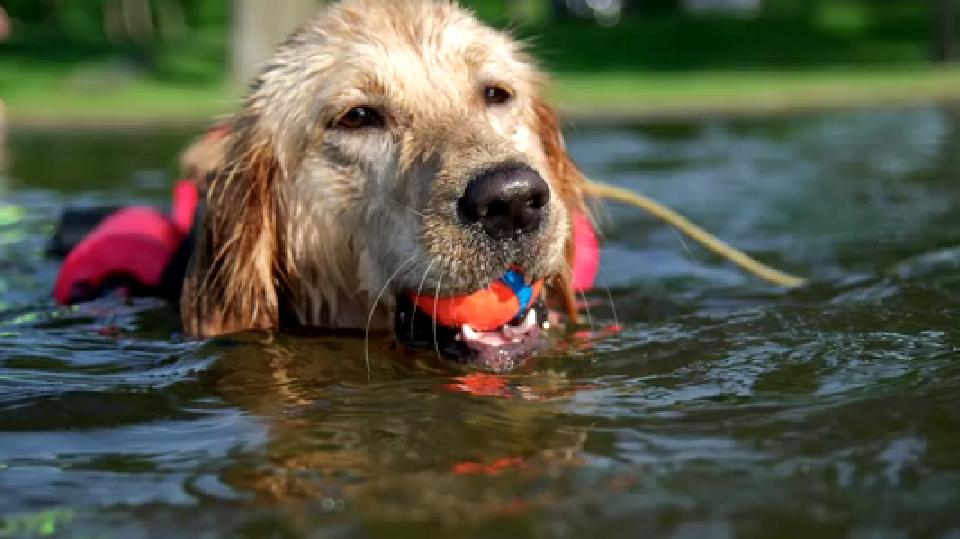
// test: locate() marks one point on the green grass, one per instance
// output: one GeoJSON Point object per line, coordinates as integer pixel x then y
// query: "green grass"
{"type": "Point", "coordinates": [104, 91]}
{"type": "Point", "coordinates": [71, 80]}
{"type": "Point", "coordinates": [654, 94]}
{"type": "Point", "coordinates": [133, 102]}
{"type": "Point", "coordinates": [48, 99]}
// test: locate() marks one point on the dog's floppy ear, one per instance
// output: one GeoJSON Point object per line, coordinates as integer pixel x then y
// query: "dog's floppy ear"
{"type": "Point", "coordinates": [567, 182]}
{"type": "Point", "coordinates": [231, 283]}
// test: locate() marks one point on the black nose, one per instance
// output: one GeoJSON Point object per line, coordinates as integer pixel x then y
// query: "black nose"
{"type": "Point", "coordinates": [507, 200]}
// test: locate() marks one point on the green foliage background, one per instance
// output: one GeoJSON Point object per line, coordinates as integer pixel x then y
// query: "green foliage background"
{"type": "Point", "coordinates": [654, 35]}
{"type": "Point", "coordinates": [59, 61]}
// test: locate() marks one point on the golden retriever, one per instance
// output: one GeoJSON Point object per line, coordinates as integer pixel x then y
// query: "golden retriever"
{"type": "Point", "coordinates": [388, 146]}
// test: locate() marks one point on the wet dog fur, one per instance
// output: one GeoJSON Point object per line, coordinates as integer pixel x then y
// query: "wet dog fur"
{"type": "Point", "coordinates": [311, 221]}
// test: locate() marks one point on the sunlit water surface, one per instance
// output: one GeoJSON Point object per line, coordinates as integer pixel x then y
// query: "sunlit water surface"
{"type": "Point", "coordinates": [725, 408]}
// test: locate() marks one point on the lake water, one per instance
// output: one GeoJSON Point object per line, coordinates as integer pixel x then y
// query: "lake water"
{"type": "Point", "coordinates": [725, 408]}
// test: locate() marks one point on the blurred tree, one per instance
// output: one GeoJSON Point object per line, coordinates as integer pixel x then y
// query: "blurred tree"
{"type": "Point", "coordinates": [118, 20]}
{"type": "Point", "coordinates": [140, 20]}
{"type": "Point", "coordinates": [258, 26]}
{"type": "Point", "coordinates": [528, 11]}
{"type": "Point", "coordinates": [128, 19]}
{"type": "Point", "coordinates": [171, 18]}
{"type": "Point", "coordinates": [206, 13]}
{"type": "Point", "coordinates": [944, 30]}
{"type": "Point", "coordinates": [496, 11]}
{"type": "Point", "coordinates": [659, 6]}
{"type": "Point", "coordinates": [4, 24]}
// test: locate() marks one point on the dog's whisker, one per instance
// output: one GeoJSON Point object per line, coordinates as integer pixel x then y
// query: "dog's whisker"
{"type": "Point", "coordinates": [413, 316]}
{"type": "Point", "coordinates": [686, 248]}
{"type": "Point", "coordinates": [604, 283]}
{"type": "Point", "coordinates": [586, 305]}
{"type": "Point", "coordinates": [613, 305]}
{"type": "Point", "coordinates": [373, 309]}
{"type": "Point", "coordinates": [436, 345]}
{"type": "Point", "coordinates": [436, 297]}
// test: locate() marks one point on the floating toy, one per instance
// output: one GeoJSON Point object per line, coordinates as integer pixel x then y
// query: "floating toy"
{"type": "Point", "coordinates": [505, 300]}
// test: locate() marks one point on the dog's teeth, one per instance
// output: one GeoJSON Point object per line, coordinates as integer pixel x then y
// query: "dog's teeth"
{"type": "Point", "coordinates": [515, 333]}
{"type": "Point", "coordinates": [530, 320]}
{"type": "Point", "coordinates": [469, 333]}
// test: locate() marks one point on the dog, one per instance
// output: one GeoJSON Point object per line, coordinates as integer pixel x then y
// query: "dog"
{"type": "Point", "coordinates": [388, 147]}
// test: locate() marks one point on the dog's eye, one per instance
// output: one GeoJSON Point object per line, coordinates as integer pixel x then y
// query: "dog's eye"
{"type": "Point", "coordinates": [360, 117]}
{"type": "Point", "coordinates": [495, 95]}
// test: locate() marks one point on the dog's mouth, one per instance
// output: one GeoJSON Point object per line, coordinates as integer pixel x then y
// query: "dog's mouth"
{"type": "Point", "coordinates": [499, 350]}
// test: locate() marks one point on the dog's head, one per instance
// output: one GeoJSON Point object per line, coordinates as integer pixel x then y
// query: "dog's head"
{"type": "Point", "coordinates": [389, 146]}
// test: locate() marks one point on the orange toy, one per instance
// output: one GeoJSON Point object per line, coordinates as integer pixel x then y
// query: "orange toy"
{"type": "Point", "coordinates": [485, 310]}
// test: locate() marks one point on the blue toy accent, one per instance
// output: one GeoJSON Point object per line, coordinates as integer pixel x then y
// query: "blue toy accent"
{"type": "Point", "coordinates": [524, 292]}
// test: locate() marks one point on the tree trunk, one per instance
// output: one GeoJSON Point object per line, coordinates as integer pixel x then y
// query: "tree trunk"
{"type": "Point", "coordinates": [259, 26]}
{"type": "Point", "coordinates": [138, 19]}
{"type": "Point", "coordinates": [944, 30]}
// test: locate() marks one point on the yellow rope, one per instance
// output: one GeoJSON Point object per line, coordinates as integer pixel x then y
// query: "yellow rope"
{"type": "Point", "coordinates": [696, 233]}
